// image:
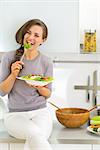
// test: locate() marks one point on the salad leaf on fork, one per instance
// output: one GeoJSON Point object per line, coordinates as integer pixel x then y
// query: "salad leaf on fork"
{"type": "Point", "coordinates": [27, 45]}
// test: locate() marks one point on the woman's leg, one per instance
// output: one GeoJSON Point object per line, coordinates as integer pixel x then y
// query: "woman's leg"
{"type": "Point", "coordinates": [42, 119]}
{"type": "Point", "coordinates": [21, 125]}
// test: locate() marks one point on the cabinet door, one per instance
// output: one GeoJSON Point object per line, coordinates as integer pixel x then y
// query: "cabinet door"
{"type": "Point", "coordinates": [96, 147]}
{"type": "Point", "coordinates": [3, 146]}
{"type": "Point", "coordinates": [72, 147]}
{"type": "Point", "coordinates": [16, 146]}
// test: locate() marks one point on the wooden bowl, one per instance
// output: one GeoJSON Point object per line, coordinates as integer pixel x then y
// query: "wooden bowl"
{"type": "Point", "coordinates": [72, 117]}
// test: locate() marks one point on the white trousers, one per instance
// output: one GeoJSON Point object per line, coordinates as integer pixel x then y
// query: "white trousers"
{"type": "Point", "coordinates": [33, 126]}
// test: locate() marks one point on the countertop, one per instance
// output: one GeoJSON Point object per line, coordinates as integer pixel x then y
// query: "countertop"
{"type": "Point", "coordinates": [60, 135]}
{"type": "Point", "coordinates": [80, 135]}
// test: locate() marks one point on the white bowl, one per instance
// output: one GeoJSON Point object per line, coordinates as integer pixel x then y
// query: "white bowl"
{"type": "Point", "coordinates": [37, 83]}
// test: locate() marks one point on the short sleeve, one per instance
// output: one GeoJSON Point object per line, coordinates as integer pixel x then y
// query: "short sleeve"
{"type": "Point", "coordinates": [49, 71]}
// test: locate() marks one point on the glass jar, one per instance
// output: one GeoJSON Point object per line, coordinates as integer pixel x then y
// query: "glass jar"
{"type": "Point", "coordinates": [90, 41]}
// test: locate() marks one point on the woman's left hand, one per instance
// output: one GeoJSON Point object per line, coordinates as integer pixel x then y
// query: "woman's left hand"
{"type": "Point", "coordinates": [34, 86]}
{"type": "Point", "coordinates": [43, 90]}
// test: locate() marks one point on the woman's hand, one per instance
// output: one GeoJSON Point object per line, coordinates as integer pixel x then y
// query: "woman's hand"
{"type": "Point", "coordinates": [16, 67]}
{"type": "Point", "coordinates": [43, 90]}
{"type": "Point", "coordinates": [34, 86]}
{"type": "Point", "coordinates": [7, 85]}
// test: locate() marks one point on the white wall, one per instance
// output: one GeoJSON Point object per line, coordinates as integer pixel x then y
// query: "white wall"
{"type": "Point", "coordinates": [61, 18]}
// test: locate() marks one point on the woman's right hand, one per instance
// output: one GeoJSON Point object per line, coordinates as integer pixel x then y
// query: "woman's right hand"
{"type": "Point", "coordinates": [16, 67]}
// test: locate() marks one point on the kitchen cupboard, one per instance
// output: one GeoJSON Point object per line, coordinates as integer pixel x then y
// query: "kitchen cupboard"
{"type": "Point", "coordinates": [96, 147]}
{"type": "Point", "coordinates": [18, 146]}
{"type": "Point", "coordinates": [3, 146]}
{"type": "Point", "coordinates": [72, 147]}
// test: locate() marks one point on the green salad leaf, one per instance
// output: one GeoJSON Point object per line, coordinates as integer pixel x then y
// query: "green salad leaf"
{"type": "Point", "coordinates": [96, 118]}
{"type": "Point", "coordinates": [27, 45]}
{"type": "Point", "coordinates": [43, 79]}
{"type": "Point", "coordinates": [93, 122]}
{"type": "Point", "coordinates": [37, 78]}
{"type": "Point", "coordinates": [27, 76]}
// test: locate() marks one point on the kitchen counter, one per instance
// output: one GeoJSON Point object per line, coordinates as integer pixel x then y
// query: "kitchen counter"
{"type": "Point", "coordinates": [60, 135]}
{"type": "Point", "coordinates": [80, 135]}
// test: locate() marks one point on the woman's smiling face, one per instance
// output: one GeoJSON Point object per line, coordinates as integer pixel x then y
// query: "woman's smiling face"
{"type": "Point", "coordinates": [34, 36]}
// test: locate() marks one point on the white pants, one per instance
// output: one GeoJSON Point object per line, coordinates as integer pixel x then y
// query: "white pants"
{"type": "Point", "coordinates": [33, 126]}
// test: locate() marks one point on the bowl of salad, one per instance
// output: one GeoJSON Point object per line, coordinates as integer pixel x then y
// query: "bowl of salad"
{"type": "Point", "coordinates": [36, 80]}
{"type": "Point", "coordinates": [95, 125]}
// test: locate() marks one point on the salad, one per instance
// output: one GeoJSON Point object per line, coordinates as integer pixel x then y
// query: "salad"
{"type": "Point", "coordinates": [37, 78]}
{"type": "Point", "coordinates": [95, 124]}
{"type": "Point", "coordinates": [27, 45]}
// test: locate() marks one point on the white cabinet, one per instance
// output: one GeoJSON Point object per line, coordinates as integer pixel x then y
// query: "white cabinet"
{"type": "Point", "coordinates": [4, 146]}
{"type": "Point", "coordinates": [20, 146]}
{"type": "Point", "coordinates": [16, 146]}
{"type": "Point", "coordinates": [72, 147]}
{"type": "Point", "coordinates": [96, 147]}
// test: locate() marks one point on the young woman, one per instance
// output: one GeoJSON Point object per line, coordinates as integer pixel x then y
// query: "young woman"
{"type": "Point", "coordinates": [28, 117]}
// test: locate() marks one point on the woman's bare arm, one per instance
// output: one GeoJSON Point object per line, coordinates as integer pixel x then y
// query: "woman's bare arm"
{"type": "Point", "coordinates": [8, 83]}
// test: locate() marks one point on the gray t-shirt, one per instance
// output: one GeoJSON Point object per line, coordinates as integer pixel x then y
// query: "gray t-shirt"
{"type": "Point", "coordinates": [22, 97]}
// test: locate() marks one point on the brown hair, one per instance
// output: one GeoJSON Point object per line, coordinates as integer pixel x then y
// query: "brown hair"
{"type": "Point", "coordinates": [22, 31]}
